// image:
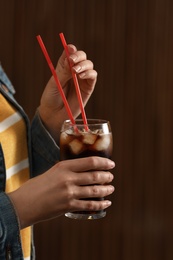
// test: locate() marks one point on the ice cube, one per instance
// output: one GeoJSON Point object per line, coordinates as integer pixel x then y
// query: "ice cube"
{"type": "Point", "coordinates": [76, 146]}
{"type": "Point", "coordinates": [102, 143]}
{"type": "Point", "coordinates": [65, 138]}
{"type": "Point", "coordinates": [89, 138]}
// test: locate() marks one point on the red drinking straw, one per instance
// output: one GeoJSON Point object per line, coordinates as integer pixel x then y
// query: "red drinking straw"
{"type": "Point", "coordinates": [75, 81]}
{"type": "Point", "coordinates": [56, 78]}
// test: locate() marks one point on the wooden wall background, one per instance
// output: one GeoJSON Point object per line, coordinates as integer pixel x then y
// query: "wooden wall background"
{"type": "Point", "coordinates": [131, 45]}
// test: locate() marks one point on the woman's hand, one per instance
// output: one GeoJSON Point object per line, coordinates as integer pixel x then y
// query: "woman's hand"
{"type": "Point", "coordinates": [51, 109]}
{"type": "Point", "coordinates": [61, 188]}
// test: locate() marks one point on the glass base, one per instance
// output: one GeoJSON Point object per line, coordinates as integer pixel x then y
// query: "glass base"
{"type": "Point", "coordinates": [84, 216]}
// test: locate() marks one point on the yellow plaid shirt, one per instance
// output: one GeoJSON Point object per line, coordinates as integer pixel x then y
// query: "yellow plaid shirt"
{"type": "Point", "coordinates": [13, 139]}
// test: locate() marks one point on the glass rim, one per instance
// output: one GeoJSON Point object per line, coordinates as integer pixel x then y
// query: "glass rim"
{"type": "Point", "coordinates": [90, 121]}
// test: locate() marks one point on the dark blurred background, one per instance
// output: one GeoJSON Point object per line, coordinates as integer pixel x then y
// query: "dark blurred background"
{"type": "Point", "coordinates": [131, 45]}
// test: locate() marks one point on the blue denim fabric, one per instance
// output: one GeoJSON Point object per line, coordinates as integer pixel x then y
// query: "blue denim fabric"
{"type": "Point", "coordinates": [43, 153]}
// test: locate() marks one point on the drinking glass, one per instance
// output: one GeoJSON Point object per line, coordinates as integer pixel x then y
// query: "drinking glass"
{"type": "Point", "coordinates": [78, 141]}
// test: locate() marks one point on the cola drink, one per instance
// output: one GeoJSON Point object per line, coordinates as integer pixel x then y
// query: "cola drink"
{"type": "Point", "coordinates": [78, 141]}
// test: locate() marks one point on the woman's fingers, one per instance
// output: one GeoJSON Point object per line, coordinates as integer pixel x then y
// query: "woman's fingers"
{"type": "Point", "coordinates": [83, 66]}
{"type": "Point", "coordinates": [77, 57]}
{"type": "Point", "coordinates": [88, 164]}
{"type": "Point", "coordinates": [94, 177]}
{"type": "Point", "coordinates": [93, 191]}
{"type": "Point", "coordinates": [89, 205]}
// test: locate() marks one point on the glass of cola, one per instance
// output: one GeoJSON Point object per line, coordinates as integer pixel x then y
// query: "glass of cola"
{"type": "Point", "coordinates": [78, 141]}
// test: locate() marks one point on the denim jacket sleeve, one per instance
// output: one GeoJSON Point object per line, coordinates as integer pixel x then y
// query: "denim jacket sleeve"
{"type": "Point", "coordinates": [10, 245]}
{"type": "Point", "coordinates": [45, 152]}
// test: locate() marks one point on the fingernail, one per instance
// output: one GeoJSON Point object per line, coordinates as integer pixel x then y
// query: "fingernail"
{"type": "Point", "coordinates": [112, 164]}
{"type": "Point", "coordinates": [77, 68]}
{"type": "Point", "coordinates": [111, 177]}
{"type": "Point", "coordinates": [71, 48]}
{"type": "Point", "coordinates": [112, 189]}
{"type": "Point", "coordinates": [82, 75]}
{"type": "Point", "coordinates": [107, 203]}
{"type": "Point", "coordinates": [73, 57]}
